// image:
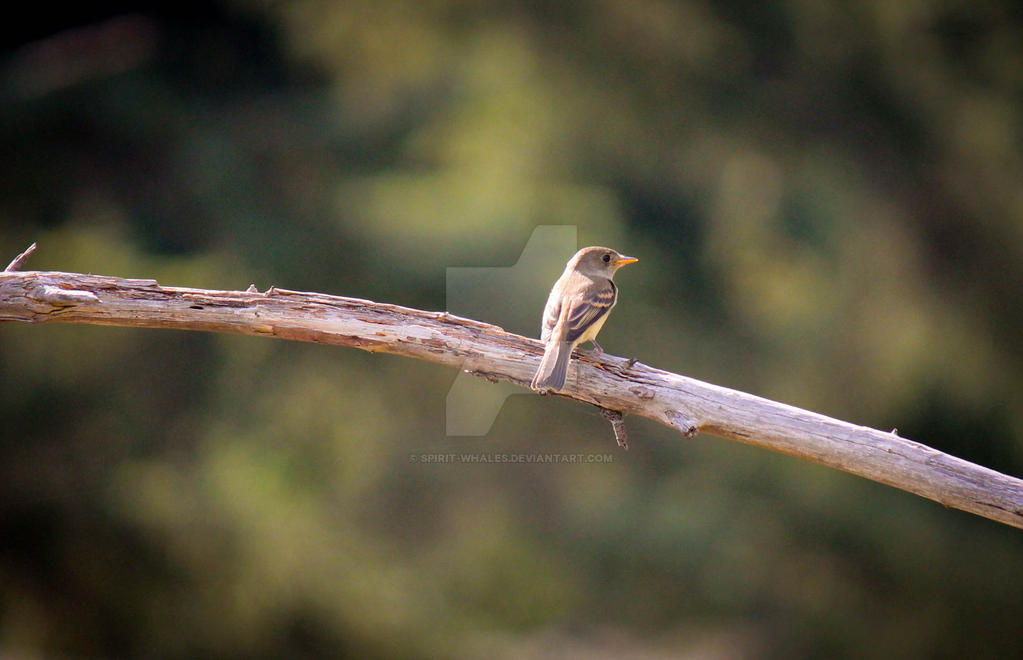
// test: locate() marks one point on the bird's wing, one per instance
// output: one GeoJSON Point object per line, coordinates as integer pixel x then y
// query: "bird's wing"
{"type": "Point", "coordinates": [588, 307]}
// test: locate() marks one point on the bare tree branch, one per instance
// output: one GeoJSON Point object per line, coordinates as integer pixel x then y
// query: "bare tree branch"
{"type": "Point", "coordinates": [20, 260]}
{"type": "Point", "coordinates": [609, 382]}
{"type": "Point", "coordinates": [617, 420]}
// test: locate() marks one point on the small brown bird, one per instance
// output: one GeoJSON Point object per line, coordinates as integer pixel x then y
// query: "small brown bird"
{"type": "Point", "coordinates": [576, 310]}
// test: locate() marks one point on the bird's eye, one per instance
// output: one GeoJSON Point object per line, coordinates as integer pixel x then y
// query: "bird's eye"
{"type": "Point", "coordinates": [607, 257]}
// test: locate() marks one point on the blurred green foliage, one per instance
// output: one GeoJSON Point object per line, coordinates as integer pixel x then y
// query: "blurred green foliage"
{"type": "Point", "coordinates": [826, 201]}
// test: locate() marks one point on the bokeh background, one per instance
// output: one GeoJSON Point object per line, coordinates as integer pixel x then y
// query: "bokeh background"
{"type": "Point", "coordinates": [827, 200]}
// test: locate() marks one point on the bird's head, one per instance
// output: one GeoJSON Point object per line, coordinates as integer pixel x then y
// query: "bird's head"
{"type": "Point", "coordinates": [599, 261]}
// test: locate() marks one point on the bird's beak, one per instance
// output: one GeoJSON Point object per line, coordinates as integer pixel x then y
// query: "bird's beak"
{"type": "Point", "coordinates": [623, 260]}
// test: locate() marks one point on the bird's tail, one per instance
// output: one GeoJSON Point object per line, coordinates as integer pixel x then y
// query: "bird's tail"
{"type": "Point", "coordinates": [553, 369]}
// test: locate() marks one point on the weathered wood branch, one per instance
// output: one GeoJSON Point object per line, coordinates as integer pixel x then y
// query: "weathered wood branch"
{"type": "Point", "coordinates": [19, 260]}
{"type": "Point", "coordinates": [609, 382]}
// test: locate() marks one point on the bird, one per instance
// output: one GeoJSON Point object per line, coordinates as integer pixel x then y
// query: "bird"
{"type": "Point", "coordinates": [576, 310]}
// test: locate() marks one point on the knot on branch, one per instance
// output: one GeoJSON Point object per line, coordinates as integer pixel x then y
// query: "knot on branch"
{"type": "Point", "coordinates": [686, 426]}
